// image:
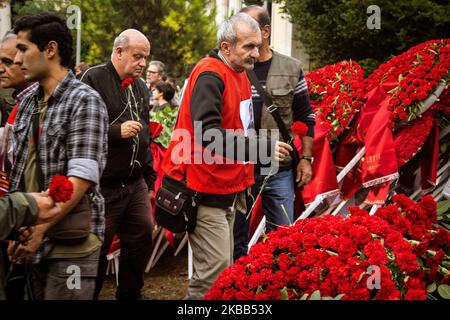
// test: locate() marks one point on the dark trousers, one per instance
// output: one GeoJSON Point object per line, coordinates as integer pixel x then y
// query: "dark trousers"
{"type": "Point", "coordinates": [127, 214]}
{"type": "Point", "coordinates": [278, 207]}
{"type": "Point", "coordinates": [63, 279]}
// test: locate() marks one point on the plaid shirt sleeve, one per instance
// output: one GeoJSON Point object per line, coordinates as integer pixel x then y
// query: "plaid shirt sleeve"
{"type": "Point", "coordinates": [86, 147]}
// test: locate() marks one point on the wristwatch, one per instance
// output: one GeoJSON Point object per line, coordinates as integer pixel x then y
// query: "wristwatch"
{"type": "Point", "coordinates": [310, 159]}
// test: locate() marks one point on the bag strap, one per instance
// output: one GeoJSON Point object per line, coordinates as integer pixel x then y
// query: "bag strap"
{"type": "Point", "coordinates": [271, 107]}
{"type": "Point", "coordinates": [36, 136]}
{"type": "Point", "coordinates": [273, 110]}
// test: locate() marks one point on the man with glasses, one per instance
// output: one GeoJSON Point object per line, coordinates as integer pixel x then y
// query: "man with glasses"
{"type": "Point", "coordinates": [156, 72]}
{"type": "Point", "coordinates": [128, 179]}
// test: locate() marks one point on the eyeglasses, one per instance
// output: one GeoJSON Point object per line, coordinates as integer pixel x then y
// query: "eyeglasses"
{"type": "Point", "coordinates": [152, 72]}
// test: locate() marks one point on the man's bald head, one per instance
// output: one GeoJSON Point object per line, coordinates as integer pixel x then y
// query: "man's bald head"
{"type": "Point", "coordinates": [129, 37]}
{"type": "Point", "coordinates": [258, 13]}
{"type": "Point", "coordinates": [130, 51]}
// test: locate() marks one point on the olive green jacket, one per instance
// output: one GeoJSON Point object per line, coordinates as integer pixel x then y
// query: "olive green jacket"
{"type": "Point", "coordinates": [16, 210]}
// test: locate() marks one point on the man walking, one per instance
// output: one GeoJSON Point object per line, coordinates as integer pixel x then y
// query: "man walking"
{"type": "Point", "coordinates": [60, 129]}
{"type": "Point", "coordinates": [282, 78]}
{"type": "Point", "coordinates": [217, 101]}
{"type": "Point", "coordinates": [128, 180]}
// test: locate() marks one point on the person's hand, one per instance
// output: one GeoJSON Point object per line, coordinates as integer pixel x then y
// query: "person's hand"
{"type": "Point", "coordinates": [24, 252]}
{"type": "Point", "coordinates": [12, 247]}
{"type": "Point", "coordinates": [304, 173]}
{"type": "Point", "coordinates": [282, 150]}
{"type": "Point", "coordinates": [130, 128]}
{"type": "Point", "coordinates": [25, 234]}
{"type": "Point", "coordinates": [47, 209]}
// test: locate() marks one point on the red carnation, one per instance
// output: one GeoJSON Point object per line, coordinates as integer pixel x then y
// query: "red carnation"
{"type": "Point", "coordinates": [61, 189]}
{"type": "Point", "coordinates": [126, 82]}
{"type": "Point", "coordinates": [299, 128]}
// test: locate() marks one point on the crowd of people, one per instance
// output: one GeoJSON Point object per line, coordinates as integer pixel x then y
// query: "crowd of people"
{"type": "Point", "coordinates": [91, 124]}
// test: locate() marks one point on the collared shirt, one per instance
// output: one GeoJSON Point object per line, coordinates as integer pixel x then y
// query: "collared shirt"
{"type": "Point", "coordinates": [22, 94]}
{"type": "Point", "coordinates": [73, 142]}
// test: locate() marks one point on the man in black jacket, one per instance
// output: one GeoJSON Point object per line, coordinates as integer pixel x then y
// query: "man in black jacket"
{"type": "Point", "coordinates": [128, 179]}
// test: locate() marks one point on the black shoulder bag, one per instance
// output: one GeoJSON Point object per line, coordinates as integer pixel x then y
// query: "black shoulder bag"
{"type": "Point", "coordinates": [176, 206]}
{"type": "Point", "coordinates": [273, 110]}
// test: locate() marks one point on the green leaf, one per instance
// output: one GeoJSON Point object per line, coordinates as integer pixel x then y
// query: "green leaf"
{"type": "Point", "coordinates": [284, 294]}
{"type": "Point", "coordinates": [304, 297]}
{"type": "Point", "coordinates": [315, 295]}
{"type": "Point", "coordinates": [361, 276]}
{"type": "Point", "coordinates": [327, 298]}
{"type": "Point", "coordinates": [444, 291]}
{"type": "Point", "coordinates": [445, 225]}
{"type": "Point", "coordinates": [339, 296]}
{"type": "Point", "coordinates": [443, 206]}
{"type": "Point", "coordinates": [432, 287]}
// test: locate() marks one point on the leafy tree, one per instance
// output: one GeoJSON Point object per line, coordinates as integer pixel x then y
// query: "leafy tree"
{"type": "Point", "coordinates": [334, 30]}
{"type": "Point", "coordinates": [180, 31]}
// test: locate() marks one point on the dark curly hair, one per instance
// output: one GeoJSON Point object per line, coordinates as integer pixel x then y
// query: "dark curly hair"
{"type": "Point", "coordinates": [46, 27]}
{"type": "Point", "coordinates": [166, 89]}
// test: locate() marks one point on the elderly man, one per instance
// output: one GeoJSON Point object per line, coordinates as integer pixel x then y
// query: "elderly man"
{"type": "Point", "coordinates": [60, 129]}
{"type": "Point", "coordinates": [282, 79]}
{"type": "Point", "coordinates": [11, 76]}
{"type": "Point", "coordinates": [127, 182]}
{"type": "Point", "coordinates": [217, 101]}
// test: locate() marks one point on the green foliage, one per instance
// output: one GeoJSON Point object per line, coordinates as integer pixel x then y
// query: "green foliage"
{"type": "Point", "coordinates": [336, 30]}
{"type": "Point", "coordinates": [443, 214]}
{"type": "Point", "coordinates": [180, 31]}
{"type": "Point", "coordinates": [166, 117]}
{"type": "Point", "coordinates": [317, 296]}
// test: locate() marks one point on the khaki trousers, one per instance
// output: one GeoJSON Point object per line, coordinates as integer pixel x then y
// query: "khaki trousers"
{"type": "Point", "coordinates": [212, 246]}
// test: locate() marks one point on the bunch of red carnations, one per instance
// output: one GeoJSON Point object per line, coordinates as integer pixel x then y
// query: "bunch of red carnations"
{"type": "Point", "coordinates": [418, 72]}
{"type": "Point", "coordinates": [358, 258]}
{"type": "Point", "coordinates": [337, 94]}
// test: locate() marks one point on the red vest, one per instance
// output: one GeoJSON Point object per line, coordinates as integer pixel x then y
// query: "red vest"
{"type": "Point", "coordinates": [226, 178]}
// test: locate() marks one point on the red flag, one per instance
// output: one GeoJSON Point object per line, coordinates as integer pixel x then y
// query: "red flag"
{"type": "Point", "coordinates": [323, 182]}
{"type": "Point", "coordinates": [380, 163]}
{"type": "Point", "coordinates": [373, 129]}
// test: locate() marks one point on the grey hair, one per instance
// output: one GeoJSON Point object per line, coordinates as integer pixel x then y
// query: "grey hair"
{"type": "Point", "coordinates": [8, 35]}
{"type": "Point", "coordinates": [227, 29]}
{"type": "Point", "coordinates": [161, 66]}
{"type": "Point", "coordinates": [122, 41]}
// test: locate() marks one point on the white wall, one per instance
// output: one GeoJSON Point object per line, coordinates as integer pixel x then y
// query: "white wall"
{"type": "Point", "coordinates": [281, 39]}
{"type": "Point", "coordinates": [5, 18]}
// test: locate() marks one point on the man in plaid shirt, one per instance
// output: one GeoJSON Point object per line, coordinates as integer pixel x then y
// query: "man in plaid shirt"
{"type": "Point", "coordinates": [60, 129]}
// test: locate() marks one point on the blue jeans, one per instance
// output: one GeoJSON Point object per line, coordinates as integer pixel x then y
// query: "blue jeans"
{"type": "Point", "coordinates": [278, 207]}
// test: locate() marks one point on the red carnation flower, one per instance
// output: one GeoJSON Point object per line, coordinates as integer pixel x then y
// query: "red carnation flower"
{"type": "Point", "coordinates": [61, 189]}
{"type": "Point", "coordinates": [126, 82]}
{"type": "Point", "coordinates": [299, 128]}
